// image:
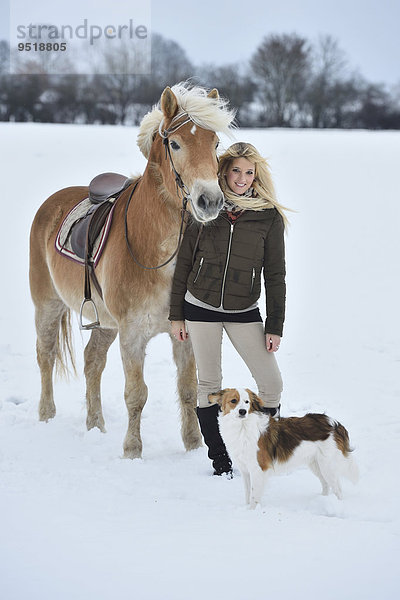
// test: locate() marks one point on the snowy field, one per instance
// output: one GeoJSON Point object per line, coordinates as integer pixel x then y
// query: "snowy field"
{"type": "Point", "coordinates": [77, 521]}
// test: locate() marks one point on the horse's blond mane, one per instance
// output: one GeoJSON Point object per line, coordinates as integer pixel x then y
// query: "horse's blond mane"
{"type": "Point", "coordinates": [209, 113]}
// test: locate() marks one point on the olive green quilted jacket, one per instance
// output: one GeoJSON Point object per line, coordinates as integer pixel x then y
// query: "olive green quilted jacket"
{"type": "Point", "coordinates": [223, 265]}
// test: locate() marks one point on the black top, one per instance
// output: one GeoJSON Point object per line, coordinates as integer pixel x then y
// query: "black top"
{"type": "Point", "coordinates": [198, 313]}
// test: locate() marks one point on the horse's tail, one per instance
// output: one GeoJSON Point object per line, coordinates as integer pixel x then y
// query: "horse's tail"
{"type": "Point", "coordinates": [65, 349]}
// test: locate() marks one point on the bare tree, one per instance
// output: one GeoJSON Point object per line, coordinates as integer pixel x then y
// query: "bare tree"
{"type": "Point", "coordinates": [232, 83]}
{"type": "Point", "coordinates": [4, 79]}
{"type": "Point", "coordinates": [377, 109]}
{"type": "Point", "coordinates": [328, 75]}
{"type": "Point", "coordinates": [128, 97]}
{"type": "Point", "coordinates": [169, 62]}
{"type": "Point", "coordinates": [281, 65]}
{"type": "Point", "coordinates": [4, 56]}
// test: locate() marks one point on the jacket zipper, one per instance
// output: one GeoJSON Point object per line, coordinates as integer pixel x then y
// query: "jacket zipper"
{"type": "Point", "coordinates": [198, 270]}
{"type": "Point", "coordinates": [253, 276]}
{"type": "Point", "coordinates": [226, 265]}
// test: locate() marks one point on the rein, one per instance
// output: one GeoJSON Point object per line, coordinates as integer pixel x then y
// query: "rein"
{"type": "Point", "coordinates": [181, 191]}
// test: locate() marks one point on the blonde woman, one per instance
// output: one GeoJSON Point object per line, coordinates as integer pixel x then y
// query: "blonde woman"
{"type": "Point", "coordinates": [217, 284]}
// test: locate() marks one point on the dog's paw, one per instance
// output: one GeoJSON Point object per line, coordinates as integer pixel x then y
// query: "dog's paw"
{"type": "Point", "coordinates": [327, 506]}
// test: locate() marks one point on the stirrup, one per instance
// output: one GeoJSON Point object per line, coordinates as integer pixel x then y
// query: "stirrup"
{"type": "Point", "coordinates": [95, 323]}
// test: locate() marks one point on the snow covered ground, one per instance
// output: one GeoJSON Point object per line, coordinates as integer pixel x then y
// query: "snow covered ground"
{"type": "Point", "coordinates": [77, 521]}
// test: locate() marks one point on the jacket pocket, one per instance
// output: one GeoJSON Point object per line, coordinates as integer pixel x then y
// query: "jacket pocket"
{"type": "Point", "coordinates": [198, 270]}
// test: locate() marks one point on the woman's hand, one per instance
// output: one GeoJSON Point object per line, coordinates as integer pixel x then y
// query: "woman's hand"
{"type": "Point", "coordinates": [272, 342]}
{"type": "Point", "coordinates": [178, 330]}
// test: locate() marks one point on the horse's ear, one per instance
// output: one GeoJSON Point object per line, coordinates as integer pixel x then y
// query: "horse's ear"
{"type": "Point", "coordinates": [169, 103]}
{"type": "Point", "coordinates": [214, 95]}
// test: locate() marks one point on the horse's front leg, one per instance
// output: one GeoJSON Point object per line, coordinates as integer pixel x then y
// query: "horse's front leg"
{"type": "Point", "coordinates": [133, 347]}
{"type": "Point", "coordinates": [95, 361]}
{"type": "Point", "coordinates": [187, 390]}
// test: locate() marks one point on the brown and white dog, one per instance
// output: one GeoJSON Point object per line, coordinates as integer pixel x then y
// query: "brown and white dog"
{"type": "Point", "coordinates": [261, 446]}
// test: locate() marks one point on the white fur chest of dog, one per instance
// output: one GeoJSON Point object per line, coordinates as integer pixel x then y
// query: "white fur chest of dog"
{"type": "Point", "coordinates": [261, 446]}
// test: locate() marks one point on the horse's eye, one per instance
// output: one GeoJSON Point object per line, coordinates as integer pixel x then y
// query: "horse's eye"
{"type": "Point", "coordinates": [174, 145]}
{"type": "Point", "coordinates": [216, 145]}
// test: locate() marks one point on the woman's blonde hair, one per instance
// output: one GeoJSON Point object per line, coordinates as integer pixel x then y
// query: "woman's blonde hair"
{"type": "Point", "coordinates": [263, 195]}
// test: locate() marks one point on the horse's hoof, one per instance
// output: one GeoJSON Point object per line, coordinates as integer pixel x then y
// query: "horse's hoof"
{"type": "Point", "coordinates": [132, 454]}
{"type": "Point", "coordinates": [132, 448]}
{"type": "Point", "coordinates": [193, 444]}
{"type": "Point", "coordinates": [95, 421]}
{"type": "Point", "coordinates": [45, 414]}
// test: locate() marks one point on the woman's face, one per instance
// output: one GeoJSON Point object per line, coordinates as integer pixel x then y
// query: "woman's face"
{"type": "Point", "coordinates": [240, 175]}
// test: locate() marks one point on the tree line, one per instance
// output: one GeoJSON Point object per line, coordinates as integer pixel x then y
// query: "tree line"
{"type": "Point", "coordinates": [288, 82]}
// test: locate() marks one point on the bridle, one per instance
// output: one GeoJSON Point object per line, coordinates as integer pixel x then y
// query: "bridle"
{"type": "Point", "coordinates": [164, 133]}
{"type": "Point", "coordinates": [181, 189]}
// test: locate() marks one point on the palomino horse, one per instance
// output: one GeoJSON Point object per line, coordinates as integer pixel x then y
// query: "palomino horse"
{"type": "Point", "coordinates": [179, 137]}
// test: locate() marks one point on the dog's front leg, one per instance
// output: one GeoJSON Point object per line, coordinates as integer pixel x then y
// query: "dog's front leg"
{"type": "Point", "coordinates": [246, 481]}
{"type": "Point", "coordinates": [258, 478]}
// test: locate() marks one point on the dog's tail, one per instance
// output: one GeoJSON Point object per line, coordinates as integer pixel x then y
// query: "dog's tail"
{"type": "Point", "coordinates": [349, 466]}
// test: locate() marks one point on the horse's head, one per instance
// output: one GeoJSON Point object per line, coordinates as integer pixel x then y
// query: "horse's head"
{"type": "Point", "coordinates": [187, 125]}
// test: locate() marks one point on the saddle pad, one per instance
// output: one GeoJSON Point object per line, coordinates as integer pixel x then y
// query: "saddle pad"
{"type": "Point", "coordinates": [63, 244]}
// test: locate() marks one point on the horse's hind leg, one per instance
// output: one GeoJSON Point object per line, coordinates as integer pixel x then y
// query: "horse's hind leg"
{"type": "Point", "coordinates": [48, 321]}
{"type": "Point", "coordinates": [187, 390]}
{"type": "Point", "coordinates": [95, 361]}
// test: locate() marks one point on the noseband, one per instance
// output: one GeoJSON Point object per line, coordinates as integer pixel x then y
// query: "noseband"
{"type": "Point", "coordinates": [181, 190]}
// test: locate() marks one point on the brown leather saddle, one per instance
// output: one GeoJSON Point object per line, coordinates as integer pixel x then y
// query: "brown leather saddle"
{"type": "Point", "coordinates": [104, 190]}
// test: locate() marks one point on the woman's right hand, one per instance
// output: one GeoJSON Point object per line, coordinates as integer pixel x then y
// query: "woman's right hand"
{"type": "Point", "coordinates": [178, 330]}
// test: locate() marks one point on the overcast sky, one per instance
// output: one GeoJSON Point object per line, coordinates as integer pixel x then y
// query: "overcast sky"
{"type": "Point", "coordinates": [229, 31]}
{"type": "Point", "coordinates": [223, 31]}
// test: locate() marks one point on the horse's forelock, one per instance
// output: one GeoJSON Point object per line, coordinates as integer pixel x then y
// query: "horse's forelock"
{"type": "Point", "coordinates": [208, 113]}
{"type": "Point", "coordinates": [148, 127]}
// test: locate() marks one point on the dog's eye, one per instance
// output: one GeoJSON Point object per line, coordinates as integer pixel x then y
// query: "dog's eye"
{"type": "Point", "coordinates": [234, 401]}
{"type": "Point", "coordinates": [246, 401]}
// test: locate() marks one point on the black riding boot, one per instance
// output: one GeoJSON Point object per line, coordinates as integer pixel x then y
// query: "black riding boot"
{"type": "Point", "coordinates": [212, 437]}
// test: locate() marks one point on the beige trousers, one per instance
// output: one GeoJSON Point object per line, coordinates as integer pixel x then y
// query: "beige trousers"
{"type": "Point", "coordinates": [249, 341]}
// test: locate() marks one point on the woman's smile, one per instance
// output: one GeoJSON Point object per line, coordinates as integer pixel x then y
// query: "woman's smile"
{"type": "Point", "coordinates": [240, 175]}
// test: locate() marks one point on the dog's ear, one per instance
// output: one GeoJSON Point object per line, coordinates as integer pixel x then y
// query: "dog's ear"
{"type": "Point", "coordinates": [216, 397]}
{"type": "Point", "coordinates": [255, 400]}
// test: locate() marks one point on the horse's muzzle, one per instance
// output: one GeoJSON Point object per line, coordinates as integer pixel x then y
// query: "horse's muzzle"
{"type": "Point", "coordinates": [206, 202]}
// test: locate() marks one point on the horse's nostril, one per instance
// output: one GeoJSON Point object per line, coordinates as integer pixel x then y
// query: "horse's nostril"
{"type": "Point", "coordinates": [202, 202]}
